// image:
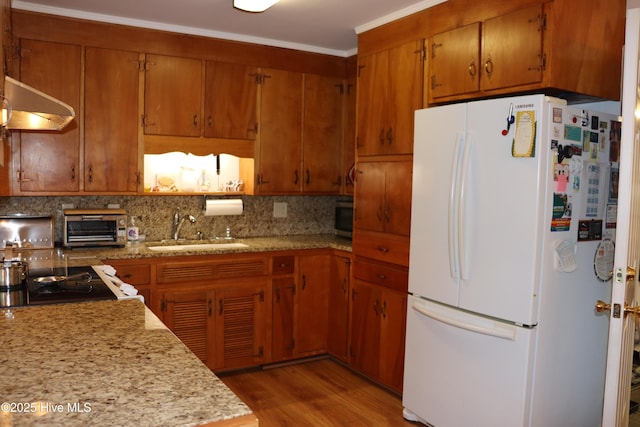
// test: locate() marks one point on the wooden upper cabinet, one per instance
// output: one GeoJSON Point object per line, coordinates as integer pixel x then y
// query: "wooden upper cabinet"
{"type": "Point", "coordinates": [389, 91]}
{"type": "Point", "coordinates": [280, 159]}
{"type": "Point", "coordinates": [498, 53]}
{"type": "Point", "coordinates": [454, 64]}
{"type": "Point", "coordinates": [230, 101]}
{"type": "Point", "coordinates": [512, 49]}
{"type": "Point", "coordinates": [383, 197]}
{"type": "Point", "coordinates": [173, 95]}
{"type": "Point", "coordinates": [111, 120]}
{"type": "Point", "coordinates": [322, 134]}
{"type": "Point", "coordinates": [49, 161]}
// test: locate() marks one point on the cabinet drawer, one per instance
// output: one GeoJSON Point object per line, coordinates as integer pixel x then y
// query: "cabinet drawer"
{"type": "Point", "coordinates": [284, 264]}
{"type": "Point", "coordinates": [384, 247]}
{"type": "Point", "coordinates": [198, 271]}
{"type": "Point", "coordinates": [381, 274]}
{"type": "Point", "coordinates": [134, 274]}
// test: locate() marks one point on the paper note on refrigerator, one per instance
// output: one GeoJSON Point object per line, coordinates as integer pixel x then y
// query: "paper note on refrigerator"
{"type": "Point", "coordinates": [524, 140]}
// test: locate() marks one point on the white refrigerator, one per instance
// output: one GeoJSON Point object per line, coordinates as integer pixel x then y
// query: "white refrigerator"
{"type": "Point", "coordinates": [512, 231]}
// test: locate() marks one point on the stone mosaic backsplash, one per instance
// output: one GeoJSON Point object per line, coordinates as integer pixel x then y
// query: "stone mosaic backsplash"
{"type": "Point", "coordinates": [305, 214]}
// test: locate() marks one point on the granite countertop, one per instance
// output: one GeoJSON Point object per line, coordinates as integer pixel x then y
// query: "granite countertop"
{"type": "Point", "coordinates": [253, 244]}
{"type": "Point", "coordinates": [107, 363]}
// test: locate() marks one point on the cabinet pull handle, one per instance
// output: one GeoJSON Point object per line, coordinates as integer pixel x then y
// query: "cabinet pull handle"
{"type": "Point", "coordinates": [384, 309]}
{"type": "Point", "coordinates": [344, 285]}
{"type": "Point", "coordinates": [383, 249]}
{"type": "Point", "coordinates": [295, 176]}
{"type": "Point", "coordinates": [210, 306]}
{"type": "Point", "coordinates": [433, 83]}
{"type": "Point", "coordinates": [473, 69]}
{"type": "Point", "coordinates": [73, 173]}
{"type": "Point", "coordinates": [381, 276]}
{"type": "Point", "coordinates": [308, 180]}
{"type": "Point", "coordinates": [379, 214]}
{"type": "Point", "coordinates": [304, 281]}
{"type": "Point", "coordinates": [195, 120]}
{"type": "Point", "coordinates": [488, 66]}
{"type": "Point", "coordinates": [210, 121]}
{"type": "Point", "coordinates": [278, 295]}
{"type": "Point", "coordinates": [376, 307]}
{"type": "Point", "coordinates": [381, 136]}
{"type": "Point", "coordinates": [90, 177]}
{"type": "Point", "coordinates": [221, 306]}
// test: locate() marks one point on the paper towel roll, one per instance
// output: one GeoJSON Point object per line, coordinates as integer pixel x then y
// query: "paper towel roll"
{"type": "Point", "coordinates": [223, 207]}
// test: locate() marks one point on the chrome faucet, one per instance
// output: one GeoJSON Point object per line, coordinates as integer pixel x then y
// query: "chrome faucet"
{"type": "Point", "coordinates": [178, 223]}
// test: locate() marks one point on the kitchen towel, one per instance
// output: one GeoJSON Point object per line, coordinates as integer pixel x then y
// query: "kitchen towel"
{"type": "Point", "coordinates": [223, 207]}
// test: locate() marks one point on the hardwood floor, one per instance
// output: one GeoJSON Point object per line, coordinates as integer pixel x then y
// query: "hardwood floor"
{"type": "Point", "coordinates": [320, 392]}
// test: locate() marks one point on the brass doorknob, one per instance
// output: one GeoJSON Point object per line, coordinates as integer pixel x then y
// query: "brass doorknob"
{"type": "Point", "coordinates": [632, 310]}
{"type": "Point", "coordinates": [602, 306]}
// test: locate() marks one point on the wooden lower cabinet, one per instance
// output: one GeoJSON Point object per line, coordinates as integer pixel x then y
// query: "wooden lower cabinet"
{"type": "Point", "coordinates": [339, 285]}
{"type": "Point", "coordinates": [225, 326]}
{"type": "Point", "coordinates": [378, 317]}
{"type": "Point", "coordinates": [300, 306]}
{"type": "Point", "coordinates": [189, 315]}
{"type": "Point", "coordinates": [241, 325]}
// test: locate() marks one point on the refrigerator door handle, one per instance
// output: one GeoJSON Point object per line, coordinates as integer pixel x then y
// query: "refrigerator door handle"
{"type": "Point", "coordinates": [498, 330]}
{"type": "Point", "coordinates": [463, 233]}
{"type": "Point", "coordinates": [454, 198]}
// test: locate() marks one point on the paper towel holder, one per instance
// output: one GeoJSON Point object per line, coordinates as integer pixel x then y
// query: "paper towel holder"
{"type": "Point", "coordinates": [232, 206]}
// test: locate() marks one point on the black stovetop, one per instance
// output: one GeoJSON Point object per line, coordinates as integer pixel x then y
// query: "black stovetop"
{"type": "Point", "coordinates": [68, 290]}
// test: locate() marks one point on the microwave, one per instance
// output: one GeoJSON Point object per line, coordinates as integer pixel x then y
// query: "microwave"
{"type": "Point", "coordinates": [95, 227]}
{"type": "Point", "coordinates": [344, 218]}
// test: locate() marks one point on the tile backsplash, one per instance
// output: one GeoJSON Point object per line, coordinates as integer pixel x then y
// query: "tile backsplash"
{"type": "Point", "coordinates": [305, 214]}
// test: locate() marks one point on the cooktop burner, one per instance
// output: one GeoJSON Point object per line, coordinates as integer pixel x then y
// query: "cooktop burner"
{"type": "Point", "coordinates": [73, 290]}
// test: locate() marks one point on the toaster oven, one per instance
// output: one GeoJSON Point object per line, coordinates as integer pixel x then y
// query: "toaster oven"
{"type": "Point", "coordinates": [94, 227]}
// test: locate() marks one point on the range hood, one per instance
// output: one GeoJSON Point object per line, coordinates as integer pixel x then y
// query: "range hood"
{"type": "Point", "coordinates": [26, 108]}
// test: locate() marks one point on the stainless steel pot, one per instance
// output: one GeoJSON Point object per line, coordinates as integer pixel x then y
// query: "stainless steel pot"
{"type": "Point", "coordinates": [13, 283]}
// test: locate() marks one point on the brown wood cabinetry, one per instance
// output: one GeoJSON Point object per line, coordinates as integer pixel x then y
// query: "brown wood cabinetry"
{"type": "Point", "coordinates": [378, 317]}
{"type": "Point", "coordinates": [189, 315]}
{"type": "Point", "coordinates": [230, 101]}
{"type": "Point", "coordinates": [223, 301]}
{"type": "Point", "coordinates": [389, 91]}
{"type": "Point", "coordinates": [280, 132]}
{"type": "Point", "coordinates": [48, 161]}
{"type": "Point", "coordinates": [322, 134]}
{"type": "Point", "coordinates": [111, 120]}
{"type": "Point", "coordinates": [173, 95]}
{"type": "Point", "coordinates": [502, 52]}
{"type": "Point", "coordinates": [339, 287]}
{"type": "Point", "coordinates": [300, 306]}
{"type": "Point", "coordinates": [301, 133]}
{"type": "Point", "coordinates": [240, 327]}
{"type": "Point", "coordinates": [383, 196]}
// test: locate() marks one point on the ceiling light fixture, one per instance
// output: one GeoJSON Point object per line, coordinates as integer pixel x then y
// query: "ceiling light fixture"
{"type": "Point", "coordinates": [254, 5]}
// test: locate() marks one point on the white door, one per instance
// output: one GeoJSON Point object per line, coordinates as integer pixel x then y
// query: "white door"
{"type": "Point", "coordinates": [622, 326]}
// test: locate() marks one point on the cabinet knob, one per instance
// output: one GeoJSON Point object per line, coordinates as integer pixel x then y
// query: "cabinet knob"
{"type": "Point", "coordinates": [488, 66]}
{"type": "Point", "coordinates": [473, 69]}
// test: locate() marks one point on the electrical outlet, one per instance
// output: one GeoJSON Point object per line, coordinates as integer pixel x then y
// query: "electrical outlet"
{"type": "Point", "coordinates": [68, 206]}
{"type": "Point", "coordinates": [279, 209]}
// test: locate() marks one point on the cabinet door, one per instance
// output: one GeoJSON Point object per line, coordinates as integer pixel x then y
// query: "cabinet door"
{"type": "Point", "coordinates": [397, 208]}
{"type": "Point", "coordinates": [312, 304]}
{"type": "Point", "coordinates": [373, 89]}
{"type": "Point", "coordinates": [454, 65]}
{"type": "Point", "coordinates": [49, 161]}
{"type": "Point", "coordinates": [393, 314]}
{"type": "Point", "coordinates": [284, 290]}
{"type": "Point", "coordinates": [512, 49]}
{"type": "Point", "coordinates": [189, 314]}
{"type": "Point", "coordinates": [111, 120]}
{"type": "Point", "coordinates": [365, 328]}
{"type": "Point", "coordinates": [173, 95]}
{"type": "Point", "coordinates": [322, 134]}
{"type": "Point", "coordinates": [240, 325]}
{"type": "Point", "coordinates": [230, 101]}
{"type": "Point", "coordinates": [280, 147]}
{"type": "Point", "coordinates": [339, 307]}
{"type": "Point", "coordinates": [349, 141]}
{"type": "Point", "coordinates": [369, 196]}
{"type": "Point", "coordinates": [404, 96]}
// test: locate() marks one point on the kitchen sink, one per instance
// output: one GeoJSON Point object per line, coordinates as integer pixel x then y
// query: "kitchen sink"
{"type": "Point", "coordinates": [193, 245]}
